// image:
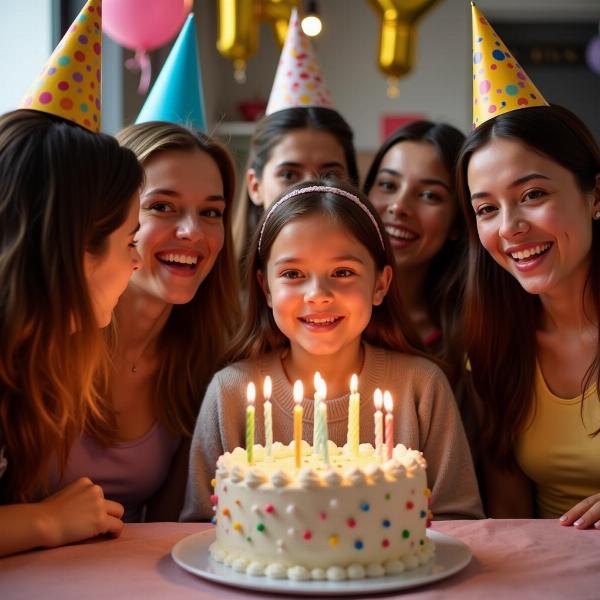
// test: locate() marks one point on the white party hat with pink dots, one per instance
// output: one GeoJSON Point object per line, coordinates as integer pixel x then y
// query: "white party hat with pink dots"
{"type": "Point", "coordinates": [298, 81]}
{"type": "Point", "coordinates": [69, 84]}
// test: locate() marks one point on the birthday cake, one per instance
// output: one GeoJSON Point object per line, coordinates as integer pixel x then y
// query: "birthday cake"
{"type": "Point", "coordinates": [358, 516]}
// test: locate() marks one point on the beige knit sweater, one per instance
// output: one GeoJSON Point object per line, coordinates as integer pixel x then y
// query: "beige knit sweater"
{"type": "Point", "coordinates": [425, 415]}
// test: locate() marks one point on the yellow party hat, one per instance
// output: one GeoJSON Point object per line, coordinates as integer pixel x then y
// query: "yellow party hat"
{"type": "Point", "coordinates": [499, 83]}
{"type": "Point", "coordinates": [69, 84]}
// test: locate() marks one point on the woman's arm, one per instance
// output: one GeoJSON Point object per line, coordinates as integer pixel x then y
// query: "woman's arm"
{"type": "Point", "coordinates": [77, 512]}
{"type": "Point", "coordinates": [167, 503]}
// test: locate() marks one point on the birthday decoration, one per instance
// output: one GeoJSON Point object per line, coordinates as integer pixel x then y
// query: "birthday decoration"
{"type": "Point", "coordinates": [298, 80]}
{"type": "Point", "coordinates": [69, 84]}
{"type": "Point", "coordinates": [499, 82]}
{"type": "Point", "coordinates": [142, 26]}
{"type": "Point", "coordinates": [397, 36]}
{"type": "Point", "coordinates": [239, 21]}
{"type": "Point", "coordinates": [177, 95]}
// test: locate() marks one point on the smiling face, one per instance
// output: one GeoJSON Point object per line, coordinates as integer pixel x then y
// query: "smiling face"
{"type": "Point", "coordinates": [108, 274]}
{"type": "Point", "coordinates": [181, 224]}
{"type": "Point", "coordinates": [321, 284]}
{"type": "Point", "coordinates": [412, 193]}
{"type": "Point", "coordinates": [531, 216]}
{"type": "Point", "coordinates": [301, 155]}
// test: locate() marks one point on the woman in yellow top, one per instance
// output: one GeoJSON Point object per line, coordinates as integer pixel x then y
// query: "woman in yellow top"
{"type": "Point", "coordinates": [529, 182]}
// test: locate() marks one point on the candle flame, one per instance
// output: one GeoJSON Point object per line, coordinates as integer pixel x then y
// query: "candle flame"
{"type": "Point", "coordinates": [353, 384]}
{"type": "Point", "coordinates": [251, 393]}
{"type": "Point", "coordinates": [298, 392]}
{"type": "Point", "coordinates": [322, 389]}
{"type": "Point", "coordinates": [316, 380]}
{"type": "Point", "coordinates": [267, 388]}
{"type": "Point", "coordinates": [388, 402]}
{"type": "Point", "coordinates": [378, 399]}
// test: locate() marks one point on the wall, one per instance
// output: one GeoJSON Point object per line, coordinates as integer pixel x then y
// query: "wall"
{"type": "Point", "coordinates": [25, 44]}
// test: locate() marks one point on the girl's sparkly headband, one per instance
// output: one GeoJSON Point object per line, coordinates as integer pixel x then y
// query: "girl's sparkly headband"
{"type": "Point", "coordinates": [320, 188]}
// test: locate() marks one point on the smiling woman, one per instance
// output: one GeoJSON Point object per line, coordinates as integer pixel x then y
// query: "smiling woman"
{"type": "Point", "coordinates": [172, 322]}
{"type": "Point", "coordinates": [529, 182]}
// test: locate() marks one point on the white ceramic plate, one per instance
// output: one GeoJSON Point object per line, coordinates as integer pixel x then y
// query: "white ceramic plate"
{"type": "Point", "coordinates": [451, 555]}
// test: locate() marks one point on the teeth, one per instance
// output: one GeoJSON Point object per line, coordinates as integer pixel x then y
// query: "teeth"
{"type": "Point", "coordinates": [400, 233]}
{"type": "Point", "coordinates": [183, 259]}
{"type": "Point", "coordinates": [530, 252]}
{"type": "Point", "coordinates": [321, 321]}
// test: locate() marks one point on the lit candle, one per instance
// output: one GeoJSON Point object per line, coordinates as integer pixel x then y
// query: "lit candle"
{"type": "Point", "coordinates": [388, 403]}
{"type": "Point", "coordinates": [251, 397]}
{"type": "Point", "coordinates": [316, 414]}
{"type": "Point", "coordinates": [353, 416]}
{"type": "Point", "coordinates": [298, 396]}
{"type": "Point", "coordinates": [323, 419]}
{"type": "Point", "coordinates": [268, 412]}
{"type": "Point", "coordinates": [378, 401]}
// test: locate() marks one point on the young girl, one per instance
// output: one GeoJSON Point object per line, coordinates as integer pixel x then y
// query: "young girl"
{"type": "Point", "coordinates": [322, 297]}
{"type": "Point", "coordinates": [530, 186]}
{"type": "Point", "coordinates": [290, 146]}
{"type": "Point", "coordinates": [172, 321]}
{"type": "Point", "coordinates": [68, 215]}
{"type": "Point", "coordinates": [411, 184]}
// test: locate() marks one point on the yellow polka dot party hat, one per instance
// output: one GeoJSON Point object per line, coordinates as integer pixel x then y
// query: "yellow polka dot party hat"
{"type": "Point", "coordinates": [499, 83]}
{"type": "Point", "coordinates": [69, 84]}
{"type": "Point", "coordinates": [298, 81]}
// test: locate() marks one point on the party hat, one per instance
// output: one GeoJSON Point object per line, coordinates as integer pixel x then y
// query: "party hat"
{"type": "Point", "coordinates": [298, 81]}
{"type": "Point", "coordinates": [499, 82]}
{"type": "Point", "coordinates": [177, 93]}
{"type": "Point", "coordinates": [69, 84]}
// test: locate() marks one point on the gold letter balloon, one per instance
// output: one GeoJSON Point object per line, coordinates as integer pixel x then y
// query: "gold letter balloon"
{"type": "Point", "coordinates": [397, 36]}
{"type": "Point", "coordinates": [239, 21]}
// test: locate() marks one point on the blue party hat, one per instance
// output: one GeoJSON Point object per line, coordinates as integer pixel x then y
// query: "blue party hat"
{"type": "Point", "coordinates": [177, 95]}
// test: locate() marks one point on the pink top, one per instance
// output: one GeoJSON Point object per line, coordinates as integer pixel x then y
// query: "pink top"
{"type": "Point", "coordinates": [130, 472]}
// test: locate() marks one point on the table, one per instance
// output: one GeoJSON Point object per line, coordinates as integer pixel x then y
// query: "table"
{"type": "Point", "coordinates": [517, 559]}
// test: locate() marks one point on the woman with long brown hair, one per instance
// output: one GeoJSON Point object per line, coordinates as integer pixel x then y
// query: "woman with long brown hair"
{"type": "Point", "coordinates": [171, 323]}
{"type": "Point", "coordinates": [529, 182]}
{"type": "Point", "coordinates": [68, 215]}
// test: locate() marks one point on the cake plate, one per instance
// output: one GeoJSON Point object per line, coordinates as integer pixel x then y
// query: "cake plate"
{"type": "Point", "coordinates": [451, 555]}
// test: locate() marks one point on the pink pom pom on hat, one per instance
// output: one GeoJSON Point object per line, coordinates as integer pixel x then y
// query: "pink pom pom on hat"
{"type": "Point", "coordinates": [499, 83]}
{"type": "Point", "coordinates": [69, 84]}
{"type": "Point", "coordinates": [298, 81]}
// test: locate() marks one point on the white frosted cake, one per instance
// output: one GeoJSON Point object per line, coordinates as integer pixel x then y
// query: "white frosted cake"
{"type": "Point", "coordinates": [356, 517]}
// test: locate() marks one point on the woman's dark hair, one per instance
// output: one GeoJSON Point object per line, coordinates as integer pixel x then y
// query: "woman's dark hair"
{"type": "Point", "coordinates": [269, 132]}
{"type": "Point", "coordinates": [63, 191]}
{"type": "Point", "coordinates": [389, 327]}
{"type": "Point", "coordinates": [501, 318]}
{"type": "Point", "coordinates": [446, 273]}
{"type": "Point", "coordinates": [193, 340]}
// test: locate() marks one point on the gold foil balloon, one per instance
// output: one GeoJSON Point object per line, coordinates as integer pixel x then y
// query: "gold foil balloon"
{"type": "Point", "coordinates": [239, 21]}
{"type": "Point", "coordinates": [398, 36]}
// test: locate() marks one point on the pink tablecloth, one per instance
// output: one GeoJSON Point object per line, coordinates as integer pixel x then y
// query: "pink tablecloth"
{"type": "Point", "coordinates": [511, 559]}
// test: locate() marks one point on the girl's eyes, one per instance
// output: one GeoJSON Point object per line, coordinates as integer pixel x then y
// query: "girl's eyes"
{"type": "Point", "coordinates": [165, 208]}
{"type": "Point", "coordinates": [213, 213]}
{"type": "Point", "coordinates": [287, 175]}
{"type": "Point", "coordinates": [431, 196]}
{"type": "Point", "coordinates": [161, 207]}
{"type": "Point", "coordinates": [290, 274]}
{"type": "Point", "coordinates": [343, 272]}
{"type": "Point", "coordinates": [533, 194]}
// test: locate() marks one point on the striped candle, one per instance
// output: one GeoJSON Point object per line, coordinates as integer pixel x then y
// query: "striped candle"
{"type": "Point", "coordinates": [325, 444]}
{"type": "Point", "coordinates": [353, 417]}
{"type": "Point", "coordinates": [378, 417]}
{"type": "Point", "coordinates": [298, 396]}
{"type": "Point", "coordinates": [388, 403]}
{"type": "Point", "coordinates": [268, 416]}
{"type": "Point", "coordinates": [251, 397]}
{"type": "Point", "coordinates": [317, 426]}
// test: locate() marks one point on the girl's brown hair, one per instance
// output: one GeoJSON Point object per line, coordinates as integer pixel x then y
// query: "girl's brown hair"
{"type": "Point", "coordinates": [63, 191]}
{"type": "Point", "coordinates": [389, 327]}
{"type": "Point", "coordinates": [501, 318]}
{"type": "Point", "coordinates": [193, 340]}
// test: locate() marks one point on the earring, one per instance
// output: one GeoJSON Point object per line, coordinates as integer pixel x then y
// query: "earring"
{"type": "Point", "coordinates": [597, 215]}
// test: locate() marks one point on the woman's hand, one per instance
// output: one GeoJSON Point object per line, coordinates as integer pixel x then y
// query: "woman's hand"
{"type": "Point", "coordinates": [77, 512]}
{"type": "Point", "coordinates": [584, 514]}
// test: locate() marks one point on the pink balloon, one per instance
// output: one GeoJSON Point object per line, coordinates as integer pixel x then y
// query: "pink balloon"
{"type": "Point", "coordinates": [143, 24]}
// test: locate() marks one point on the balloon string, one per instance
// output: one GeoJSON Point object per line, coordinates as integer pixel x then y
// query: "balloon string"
{"type": "Point", "coordinates": [141, 62]}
